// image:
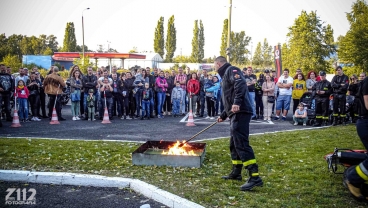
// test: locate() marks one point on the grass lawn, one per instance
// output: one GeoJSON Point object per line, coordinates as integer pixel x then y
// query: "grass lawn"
{"type": "Point", "coordinates": [291, 165]}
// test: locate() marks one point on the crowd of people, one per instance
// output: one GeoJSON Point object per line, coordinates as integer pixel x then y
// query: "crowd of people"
{"type": "Point", "coordinates": [145, 94]}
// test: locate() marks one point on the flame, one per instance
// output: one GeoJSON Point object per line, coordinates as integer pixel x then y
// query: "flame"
{"type": "Point", "coordinates": [176, 150]}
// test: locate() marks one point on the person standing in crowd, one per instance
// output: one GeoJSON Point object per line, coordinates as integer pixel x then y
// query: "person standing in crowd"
{"type": "Point", "coordinates": [40, 78]}
{"type": "Point", "coordinates": [114, 70]}
{"type": "Point", "coordinates": [173, 74]}
{"type": "Point", "coordinates": [89, 82]}
{"type": "Point", "coordinates": [33, 86]}
{"type": "Point", "coordinates": [170, 85]}
{"type": "Point", "coordinates": [251, 80]}
{"type": "Point", "coordinates": [259, 93]}
{"type": "Point", "coordinates": [91, 105]}
{"type": "Point", "coordinates": [22, 93]}
{"type": "Point", "coordinates": [76, 85]}
{"type": "Point", "coordinates": [362, 76]}
{"type": "Point", "coordinates": [53, 85]}
{"type": "Point", "coordinates": [353, 92]}
{"type": "Point", "coordinates": [138, 87]}
{"type": "Point", "coordinates": [189, 76]}
{"type": "Point", "coordinates": [6, 89]}
{"type": "Point", "coordinates": [284, 84]}
{"type": "Point", "coordinates": [357, 175]}
{"type": "Point", "coordinates": [177, 97]}
{"type": "Point", "coordinates": [193, 88]}
{"type": "Point", "coordinates": [211, 90]}
{"type": "Point", "coordinates": [22, 76]}
{"type": "Point", "coordinates": [106, 93]}
{"type": "Point", "coordinates": [238, 108]}
{"type": "Point", "coordinates": [300, 115]}
{"type": "Point", "coordinates": [299, 88]}
{"type": "Point", "coordinates": [202, 95]}
{"type": "Point", "coordinates": [297, 72]}
{"type": "Point", "coordinates": [311, 80]}
{"type": "Point", "coordinates": [117, 96]}
{"type": "Point", "coordinates": [340, 85]}
{"type": "Point", "coordinates": [321, 92]}
{"type": "Point", "coordinates": [154, 97]}
{"type": "Point", "coordinates": [161, 88]}
{"type": "Point", "coordinates": [128, 82]}
{"type": "Point", "coordinates": [182, 79]}
{"type": "Point", "coordinates": [124, 97]}
{"type": "Point", "coordinates": [268, 88]}
{"type": "Point", "coordinates": [146, 94]}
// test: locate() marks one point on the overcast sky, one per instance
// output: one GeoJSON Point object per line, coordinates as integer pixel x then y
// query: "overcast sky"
{"type": "Point", "coordinates": [127, 24]}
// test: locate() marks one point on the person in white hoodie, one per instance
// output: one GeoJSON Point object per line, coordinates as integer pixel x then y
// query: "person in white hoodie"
{"type": "Point", "coordinates": [177, 97]}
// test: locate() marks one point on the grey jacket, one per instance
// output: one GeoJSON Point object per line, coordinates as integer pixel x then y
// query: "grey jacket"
{"type": "Point", "coordinates": [177, 93]}
{"type": "Point", "coordinates": [74, 85]}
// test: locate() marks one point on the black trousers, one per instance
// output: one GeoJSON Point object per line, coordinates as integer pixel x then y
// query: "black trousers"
{"type": "Point", "coordinates": [167, 105]}
{"type": "Point", "coordinates": [210, 107]}
{"type": "Point", "coordinates": [81, 104]}
{"type": "Point", "coordinates": [6, 98]}
{"type": "Point", "coordinates": [202, 99]}
{"type": "Point", "coordinates": [339, 102]}
{"type": "Point", "coordinates": [240, 149]}
{"type": "Point", "coordinates": [117, 102]}
{"type": "Point", "coordinates": [131, 104]}
{"type": "Point", "coordinates": [43, 101]}
{"type": "Point", "coordinates": [322, 105]}
{"type": "Point", "coordinates": [259, 105]}
{"type": "Point", "coordinates": [125, 106]}
{"type": "Point", "coordinates": [34, 100]}
{"type": "Point", "coordinates": [295, 104]}
{"type": "Point", "coordinates": [52, 100]}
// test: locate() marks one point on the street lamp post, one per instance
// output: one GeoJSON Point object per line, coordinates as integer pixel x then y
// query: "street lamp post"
{"type": "Point", "coordinates": [83, 32]}
{"type": "Point", "coordinates": [229, 31]}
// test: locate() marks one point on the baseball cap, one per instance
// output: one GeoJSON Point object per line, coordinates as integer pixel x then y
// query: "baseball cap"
{"type": "Point", "coordinates": [91, 91]}
{"type": "Point", "coordinates": [322, 73]}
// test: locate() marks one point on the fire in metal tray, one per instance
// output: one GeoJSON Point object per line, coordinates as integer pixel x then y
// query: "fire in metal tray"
{"type": "Point", "coordinates": [175, 149]}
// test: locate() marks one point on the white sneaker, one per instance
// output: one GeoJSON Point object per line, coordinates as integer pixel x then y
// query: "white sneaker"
{"type": "Point", "coordinates": [164, 113]}
{"type": "Point", "coordinates": [265, 118]}
{"type": "Point", "coordinates": [169, 113]}
{"type": "Point", "coordinates": [208, 117]}
{"type": "Point", "coordinates": [296, 123]}
{"type": "Point", "coordinates": [74, 119]}
{"type": "Point", "coordinates": [33, 118]}
{"type": "Point", "coordinates": [77, 118]}
{"type": "Point", "coordinates": [212, 117]}
{"type": "Point", "coordinates": [36, 119]}
{"type": "Point", "coordinates": [128, 117]}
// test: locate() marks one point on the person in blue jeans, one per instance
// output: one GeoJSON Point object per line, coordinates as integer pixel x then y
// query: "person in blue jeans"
{"type": "Point", "coordinates": [161, 88]}
{"type": "Point", "coordinates": [284, 84]}
{"type": "Point", "coordinates": [177, 98]}
{"type": "Point", "coordinates": [146, 101]}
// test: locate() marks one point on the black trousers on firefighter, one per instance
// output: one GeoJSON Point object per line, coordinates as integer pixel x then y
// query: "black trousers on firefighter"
{"type": "Point", "coordinates": [322, 104]}
{"type": "Point", "coordinates": [240, 150]}
{"type": "Point", "coordinates": [52, 100]}
{"type": "Point", "coordinates": [354, 110]}
{"type": "Point", "coordinates": [358, 175]}
{"type": "Point", "coordinates": [339, 102]}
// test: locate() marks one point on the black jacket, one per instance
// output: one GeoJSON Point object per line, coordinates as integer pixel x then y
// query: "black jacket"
{"type": "Point", "coordinates": [89, 82]}
{"type": "Point", "coordinates": [170, 85]}
{"type": "Point", "coordinates": [118, 86]}
{"type": "Point", "coordinates": [323, 85]}
{"type": "Point", "coordinates": [6, 83]}
{"type": "Point", "coordinates": [336, 84]}
{"type": "Point", "coordinates": [234, 91]}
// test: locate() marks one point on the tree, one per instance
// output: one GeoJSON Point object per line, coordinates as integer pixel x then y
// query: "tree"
{"type": "Point", "coordinates": [195, 47]}
{"type": "Point", "coordinates": [158, 42]}
{"type": "Point", "coordinates": [70, 42]}
{"type": "Point", "coordinates": [238, 44]}
{"type": "Point", "coordinates": [257, 57]}
{"type": "Point", "coordinates": [353, 47]}
{"type": "Point", "coordinates": [170, 40]}
{"type": "Point", "coordinates": [52, 43]}
{"type": "Point", "coordinates": [83, 63]}
{"type": "Point", "coordinates": [224, 38]}
{"type": "Point", "coordinates": [201, 42]}
{"type": "Point", "coordinates": [13, 46]}
{"type": "Point", "coordinates": [181, 59]}
{"type": "Point", "coordinates": [266, 54]}
{"type": "Point", "coordinates": [12, 61]}
{"type": "Point", "coordinates": [310, 43]}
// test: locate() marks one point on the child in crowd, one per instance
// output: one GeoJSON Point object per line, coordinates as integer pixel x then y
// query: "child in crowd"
{"type": "Point", "coordinates": [177, 97]}
{"type": "Point", "coordinates": [146, 100]}
{"type": "Point", "coordinates": [91, 105]}
{"type": "Point", "coordinates": [22, 94]}
{"type": "Point", "coordinates": [300, 115]}
{"type": "Point", "coordinates": [211, 90]}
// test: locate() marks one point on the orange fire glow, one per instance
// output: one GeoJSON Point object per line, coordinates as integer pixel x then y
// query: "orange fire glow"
{"type": "Point", "coordinates": [176, 150]}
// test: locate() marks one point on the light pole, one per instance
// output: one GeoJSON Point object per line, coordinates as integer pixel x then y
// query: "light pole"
{"type": "Point", "coordinates": [229, 32]}
{"type": "Point", "coordinates": [83, 32]}
{"type": "Point", "coordinates": [108, 49]}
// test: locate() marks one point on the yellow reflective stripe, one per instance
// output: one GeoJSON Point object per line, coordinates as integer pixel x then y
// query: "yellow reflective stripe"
{"type": "Point", "coordinates": [237, 162]}
{"type": "Point", "coordinates": [356, 114]}
{"type": "Point", "coordinates": [360, 173]}
{"type": "Point", "coordinates": [335, 114]}
{"type": "Point", "coordinates": [255, 174]}
{"type": "Point", "coordinates": [342, 116]}
{"type": "Point", "coordinates": [325, 118]}
{"type": "Point", "coordinates": [249, 162]}
{"type": "Point", "coordinates": [319, 116]}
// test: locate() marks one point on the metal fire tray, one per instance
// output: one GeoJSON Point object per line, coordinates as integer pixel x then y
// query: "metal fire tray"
{"type": "Point", "coordinates": [149, 153]}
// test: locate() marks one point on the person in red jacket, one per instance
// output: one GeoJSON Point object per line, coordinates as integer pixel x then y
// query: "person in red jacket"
{"type": "Point", "coordinates": [22, 93]}
{"type": "Point", "coordinates": [193, 91]}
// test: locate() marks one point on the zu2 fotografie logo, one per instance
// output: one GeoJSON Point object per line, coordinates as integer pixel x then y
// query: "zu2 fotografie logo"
{"type": "Point", "coordinates": [21, 196]}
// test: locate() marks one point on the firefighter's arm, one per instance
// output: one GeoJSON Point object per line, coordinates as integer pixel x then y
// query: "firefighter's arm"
{"type": "Point", "coordinates": [366, 101]}
{"type": "Point", "coordinates": [239, 89]}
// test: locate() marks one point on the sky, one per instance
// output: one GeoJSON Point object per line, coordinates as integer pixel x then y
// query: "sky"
{"type": "Point", "coordinates": [123, 24]}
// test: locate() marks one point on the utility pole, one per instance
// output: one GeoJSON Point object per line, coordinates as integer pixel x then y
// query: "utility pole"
{"type": "Point", "coordinates": [83, 33]}
{"type": "Point", "coordinates": [251, 53]}
{"type": "Point", "coordinates": [228, 50]}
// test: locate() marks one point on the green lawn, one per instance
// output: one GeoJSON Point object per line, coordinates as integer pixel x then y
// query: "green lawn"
{"type": "Point", "coordinates": [291, 165]}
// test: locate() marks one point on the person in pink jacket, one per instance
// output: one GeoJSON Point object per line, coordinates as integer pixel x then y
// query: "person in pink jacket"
{"type": "Point", "coordinates": [22, 93]}
{"type": "Point", "coordinates": [161, 88]}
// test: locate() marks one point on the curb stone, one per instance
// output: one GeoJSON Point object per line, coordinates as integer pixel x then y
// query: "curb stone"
{"type": "Point", "coordinates": [64, 178]}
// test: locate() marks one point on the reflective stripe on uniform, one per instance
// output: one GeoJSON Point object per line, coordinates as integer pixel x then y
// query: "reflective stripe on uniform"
{"type": "Point", "coordinates": [362, 172]}
{"type": "Point", "coordinates": [335, 114]}
{"type": "Point", "coordinates": [342, 115]}
{"type": "Point", "coordinates": [325, 118]}
{"type": "Point", "coordinates": [319, 116]}
{"type": "Point", "coordinates": [255, 174]}
{"type": "Point", "coordinates": [237, 162]}
{"type": "Point", "coordinates": [249, 162]}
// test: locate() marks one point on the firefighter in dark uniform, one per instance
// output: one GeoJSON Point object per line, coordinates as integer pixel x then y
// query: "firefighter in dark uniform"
{"type": "Point", "coordinates": [321, 92]}
{"type": "Point", "coordinates": [340, 84]}
{"type": "Point", "coordinates": [353, 91]}
{"type": "Point", "coordinates": [358, 175]}
{"type": "Point", "coordinates": [239, 110]}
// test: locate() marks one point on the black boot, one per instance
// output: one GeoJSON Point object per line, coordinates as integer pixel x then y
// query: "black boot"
{"type": "Point", "coordinates": [318, 122]}
{"type": "Point", "coordinates": [253, 180]}
{"type": "Point", "coordinates": [334, 123]}
{"type": "Point", "coordinates": [1, 124]}
{"type": "Point", "coordinates": [235, 173]}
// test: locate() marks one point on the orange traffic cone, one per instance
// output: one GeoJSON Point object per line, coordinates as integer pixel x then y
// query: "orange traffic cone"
{"type": "Point", "coordinates": [106, 118]}
{"type": "Point", "coordinates": [15, 122]}
{"type": "Point", "coordinates": [54, 118]}
{"type": "Point", "coordinates": [190, 119]}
